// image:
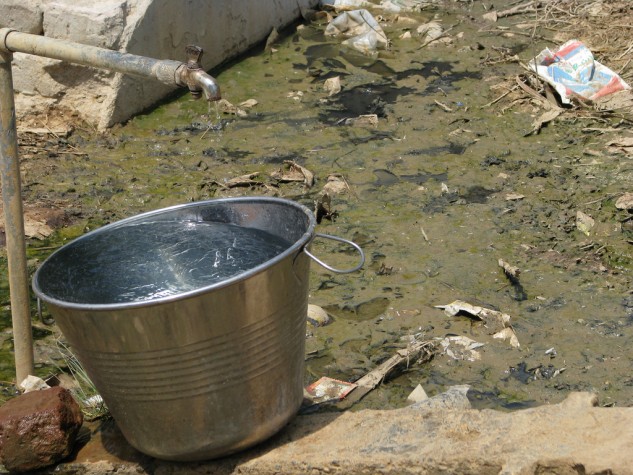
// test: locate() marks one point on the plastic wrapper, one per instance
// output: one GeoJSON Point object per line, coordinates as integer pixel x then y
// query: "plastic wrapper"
{"type": "Point", "coordinates": [573, 71]}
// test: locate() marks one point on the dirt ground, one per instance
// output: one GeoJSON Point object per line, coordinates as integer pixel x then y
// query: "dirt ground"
{"type": "Point", "coordinates": [511, 174]}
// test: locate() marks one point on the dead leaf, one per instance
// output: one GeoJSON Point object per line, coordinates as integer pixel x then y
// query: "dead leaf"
{"type": "Point", "coordinates": [514, 197]}
{"type": "Point", "coordinates": [508, 334]}
{"type": "Point", "coordinates": [584, 222]}
{"type": "Point", "coordinates": [248, 104]}
{"type": "Point", "coordinates": [461, 348]}
{"type": "Point", "coordinates": [292, 171]}
{"type": "Point", "coordinates": [323, 208]}
{"type": "Point", "coordinates": [227, 108]}
{"type": "Point", "coordinates": [332, 85]}
{"type": "Point", "coordinates": [544, 119]}
{"type": "Point", "coordinates": [625, 202]}
{"type": "Point", "coordinates": [621, 144]}
{"type": "Point", "coordinates": [336, 185]}
{"type": "Point", "coordinates": [431, 30]}
{"type": "Point", "coordinates": [243, 180]}
{"type": "Point", "coordinates": [490, 16]}
{"type": "Point", "coordinates": [363, 120]}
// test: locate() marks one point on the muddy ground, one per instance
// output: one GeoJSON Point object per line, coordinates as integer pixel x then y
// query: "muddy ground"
{"type": "Point", "coordinates": [451, 171]}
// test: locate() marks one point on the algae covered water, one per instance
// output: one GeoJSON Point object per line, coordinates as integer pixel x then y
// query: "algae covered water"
{"type": "Point", "coordinates": [446, 181]}
{"type": "Point", "coordinates": [151, 260]}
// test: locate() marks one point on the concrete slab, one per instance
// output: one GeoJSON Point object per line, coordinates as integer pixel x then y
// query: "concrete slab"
{"type": "Point", "coordinates": [155, 28]}
{"type": "Point", "coordinates": [572, 437]}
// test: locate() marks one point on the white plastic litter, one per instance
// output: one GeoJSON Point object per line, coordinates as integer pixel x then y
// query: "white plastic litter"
{"type": "Point", "coordinates": [364, 32]}
{"type": "Point", "coordinates": [343, 5]}
{"type": "Point", "coordinates": [572, 70]}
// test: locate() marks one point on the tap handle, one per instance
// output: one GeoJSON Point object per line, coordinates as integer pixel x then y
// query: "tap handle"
{"type": "Point", "coordinates": [194, 56]}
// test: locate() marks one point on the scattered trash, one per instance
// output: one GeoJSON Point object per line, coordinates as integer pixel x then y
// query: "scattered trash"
{"type": "Point", "coordinates": [336, 185]}
{"type": "Point", "coordinates": [344, 5]}
{"type": "Point", "coordinates": [328, 390]}
{"type": "Point", "coordinates": [243, 180]}
{"type": "Point", "coordinates": [461, 348]}
{"type": "Point", "coordinates": [317, 317]}
{"type": "Point", "coordinates": [527, 7]}
{"type": "Point", "coordinates": [33, 383]}
{"type": "Point", "coordinates": [273, 38]}
{"type": "Point", "coordinates": [497, 323]}
{"type": "Point", "coordinates": [514, 197]}
{"type": "Point", "coordinates": [584, 222]}
{"type": "Point", "coordinates": [509, 270]}
{"type": "Point", "coordinates": [456, 397]}
{"type": "Point", "coordinates": [291, 172]}
{"type": "Point", "coordinates": [248, 103]}
{"type": "Point", "coordinates": [572, 71]}
{"type": "Point", "coordinates": [366, 35]}
{"type": "Point", "coordinates": [417, 395]}
{"type": "Point", "coordinates": [323, 208]}
{"type": "Point", "coordinates": [295, 95]}
{"type": "Point", "coordinates": [551, 352]}
{"type": "Point", "coordinates": [415, 353]}
{"type": "Point", "coordinates": [361, 121]}
{"type": "Point", "coordinates": [95, 401]}
{"type": "Point", "coordinates": [398, 6]}
{"type": "Point", "coordinates": [227, 108]}
{"type": "Point", "coordinates": [431, 31]}
{"type": "Point", "coordinates": [332, 85]}
{"type": "Point", "coordinates": [625, 202]}
{"type": "Point", "coordinates": [543, 120]}
{"type": "Point", "coordinates": [622, 145]}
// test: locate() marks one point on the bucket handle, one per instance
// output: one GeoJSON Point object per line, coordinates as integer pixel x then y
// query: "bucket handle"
{"type": "Point", "coordinates": [329, 267]}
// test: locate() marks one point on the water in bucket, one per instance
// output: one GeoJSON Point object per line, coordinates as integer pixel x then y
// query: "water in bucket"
{"type": "Point", "coordinates": [150, 260]}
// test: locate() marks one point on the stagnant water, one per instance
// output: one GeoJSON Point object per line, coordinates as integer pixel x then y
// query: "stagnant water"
{"type": "Point", "coordinates": [426, 198]}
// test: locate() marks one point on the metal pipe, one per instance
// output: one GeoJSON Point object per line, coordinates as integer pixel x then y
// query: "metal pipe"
{"type": "Point", "coordinates": [16, 42]}
{"type": "Point", "coordinates": [174, 73]}
{"type": "Point", "coordinates": [14, 225]}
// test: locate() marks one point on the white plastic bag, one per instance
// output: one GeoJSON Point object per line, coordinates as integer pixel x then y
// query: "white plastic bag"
{"type": "Point", "coordinates": [366, 35]}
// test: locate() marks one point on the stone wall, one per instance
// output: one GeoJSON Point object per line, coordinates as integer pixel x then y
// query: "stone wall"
{"type": "Point", "coordinates": [156, 28]}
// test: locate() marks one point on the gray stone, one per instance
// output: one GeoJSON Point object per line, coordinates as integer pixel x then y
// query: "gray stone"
{"type": "Point", "coordinates": [21, 15]}
{"type": "Point", "coordinates": [38, 429]}
{"type": "Point", "coordinates": [86, 21]}
{"type": "Point", "coordinates": [454, 397]}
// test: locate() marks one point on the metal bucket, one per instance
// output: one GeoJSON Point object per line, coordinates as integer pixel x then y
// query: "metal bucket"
{"type": "Point", "coordinates": [204, 372]}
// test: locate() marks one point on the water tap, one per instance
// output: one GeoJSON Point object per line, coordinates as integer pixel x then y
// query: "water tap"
{"type": "Point", "coordinates": [195, 78]}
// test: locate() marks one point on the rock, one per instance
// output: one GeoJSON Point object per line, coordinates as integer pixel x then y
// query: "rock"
{"type": "Point", "coordinates": [317, 317]}
{"type": "Point", "coordinates": [38, 429]}
{"type": "Point", "coordinates": [91, 23]}
{"type": "Point", "coordinates": [21, 15]}
{"type": "Point", "coordinates": [454, 397]}
{"type": "Point", "coordinates": [417, 395]}
{"type": "Point", "coordinates": [625, 201]}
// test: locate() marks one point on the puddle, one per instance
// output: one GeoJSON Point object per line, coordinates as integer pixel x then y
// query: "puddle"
{"type": "Point", "coordinates": [426, 200]}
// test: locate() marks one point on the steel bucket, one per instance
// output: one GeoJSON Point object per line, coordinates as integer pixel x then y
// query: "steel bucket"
{"type": "Point", "coordinates": [205, 372]}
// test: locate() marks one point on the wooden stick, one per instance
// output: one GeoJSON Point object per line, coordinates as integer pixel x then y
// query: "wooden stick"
{"type": "Point", "coordinates": [416, 351]}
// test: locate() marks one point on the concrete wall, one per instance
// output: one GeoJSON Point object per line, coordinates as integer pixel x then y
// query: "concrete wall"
{"type": "Point", "coordinates": [156, 28]}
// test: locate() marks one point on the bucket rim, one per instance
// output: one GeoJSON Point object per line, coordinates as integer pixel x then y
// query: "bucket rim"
{"type": "Point", "coordinates": [294, 248]}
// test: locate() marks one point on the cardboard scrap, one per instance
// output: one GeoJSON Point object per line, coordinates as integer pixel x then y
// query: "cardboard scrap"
{"type": "Point", "coordinates": [497, 323]}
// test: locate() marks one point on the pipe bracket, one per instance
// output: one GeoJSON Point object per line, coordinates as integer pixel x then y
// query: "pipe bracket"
{"type": "Point", "coordinates": [4, 32]}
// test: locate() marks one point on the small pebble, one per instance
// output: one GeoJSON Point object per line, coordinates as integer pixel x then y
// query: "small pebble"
{"type": "Point", "coordinates": [317, 317]}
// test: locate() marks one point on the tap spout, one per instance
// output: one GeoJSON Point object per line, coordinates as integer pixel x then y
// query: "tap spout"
{"type": "Point", "coordinates": [192, 75]}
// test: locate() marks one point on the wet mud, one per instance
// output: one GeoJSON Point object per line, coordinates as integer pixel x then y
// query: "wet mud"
{"type": "Point", "coordinates": [433, 199]}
